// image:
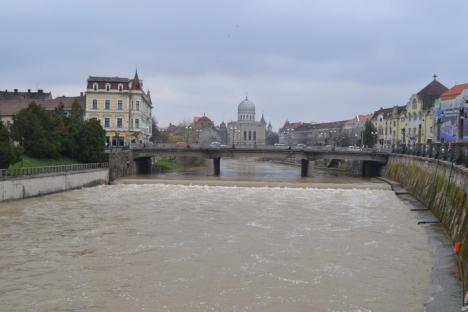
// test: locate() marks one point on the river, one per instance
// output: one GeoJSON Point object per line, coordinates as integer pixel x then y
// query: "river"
{"type": "Point", "coordinates": [160, 247]}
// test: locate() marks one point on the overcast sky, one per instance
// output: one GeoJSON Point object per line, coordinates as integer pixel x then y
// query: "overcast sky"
{"type": "Point", "coordinates": [308, 60]}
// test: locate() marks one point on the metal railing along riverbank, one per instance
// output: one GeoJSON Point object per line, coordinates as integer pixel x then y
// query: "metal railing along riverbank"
{"type": "Point", "coordinates": [452, 152]}
{"type": "Point", "coordinates": [10, 173]}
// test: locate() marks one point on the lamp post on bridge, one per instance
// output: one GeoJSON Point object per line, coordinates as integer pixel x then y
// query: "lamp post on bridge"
{"type": "Point", "coordinates": [234, 131]}
{"type": "Point", "coordinates": [187, 134]}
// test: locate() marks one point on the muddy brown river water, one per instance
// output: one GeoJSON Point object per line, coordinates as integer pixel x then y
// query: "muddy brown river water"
{"type": "Point", "coordinates": [157, 247]}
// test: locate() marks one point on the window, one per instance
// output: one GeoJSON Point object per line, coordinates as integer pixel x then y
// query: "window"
{"type": "Point", "coordinates": [119, 122]}
{"type": "Point", "coordinates": [107, 105]}
{"type": "Point", "coordinates": [106, 122]}
{"type": "Point", "coordinates": [94, 104]}
{"type": "Point", "coordinates": [137, 123]}
{"type": "Point", "coordinates": [250, 135]}
{"type": "Point", "coordinates": [137, 105]}
{"type": "Point", "coordinates": [108, 86]}
{"type": "Point", "coordinates": [119, 105]}
{"type": "Point", "coordinates": [255, 135]}
{"type": "Point", "coordinates": [95, 86]}
{"type": "Point", "coordinates": [245, 135]}
{"type": "Point", "coordinates": [120, 87]}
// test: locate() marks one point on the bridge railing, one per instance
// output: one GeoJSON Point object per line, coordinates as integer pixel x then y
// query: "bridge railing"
{"type": "Point", "coordinates": [456, 152]}
{"type": "Point", "coordinates": [318, 148]}
{"type": "Point", "coordinates": [10, 173]}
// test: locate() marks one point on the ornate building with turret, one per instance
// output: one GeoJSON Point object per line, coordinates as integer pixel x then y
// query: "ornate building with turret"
{"type": "Point", "coordinates": [122, 107]}
{"type": "Point", "coordinates": [246, 130]}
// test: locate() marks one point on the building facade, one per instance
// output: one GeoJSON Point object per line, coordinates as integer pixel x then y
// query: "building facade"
{"type": "Point", "coordinates": [417, 126]}
{"type": "Point", "coordinates": [203, 131]}
{"type": "Point", "coordinates": [383, 123]}
{"type": "Point", "coordinates": [246, 130]}
{"type": "Point", "coordinates": [451, 112]}
{"type": "Point", "coordinates": [122, 107]}
{"type": "Point", "coordinates": [11, 102]}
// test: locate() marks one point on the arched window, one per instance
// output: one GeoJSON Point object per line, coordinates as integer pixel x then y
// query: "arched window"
{"type": "Point", "coordinates": [95, 86]}
{"type": "Point", "coordinates": [108, 86]}
{"type": "Point", "coordinates": [120, 87]}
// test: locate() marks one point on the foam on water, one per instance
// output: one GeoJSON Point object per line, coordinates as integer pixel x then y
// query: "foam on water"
{"type": "Point", "coordinates": [200, 248]}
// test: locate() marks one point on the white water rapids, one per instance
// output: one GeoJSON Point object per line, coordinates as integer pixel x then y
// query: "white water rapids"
{"type": "Point", "coordinates": [197, 248]}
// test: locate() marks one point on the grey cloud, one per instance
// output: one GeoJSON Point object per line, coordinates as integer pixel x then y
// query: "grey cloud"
{"type": "Point", "coordinates": [360, 52]}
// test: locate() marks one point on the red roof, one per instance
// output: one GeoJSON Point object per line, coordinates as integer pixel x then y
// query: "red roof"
{"type": "Point", "coordinates": [364, 117]}
{"type": "Point", "coordinates": [454, 91]}
{"type": "Point", "coordinates": [136, 83]}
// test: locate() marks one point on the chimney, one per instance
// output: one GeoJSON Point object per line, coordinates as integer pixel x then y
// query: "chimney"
{"type": "Point", "coordinates": [29, 90]}
{"type": "Point", "coordinates": [81, 94]}
{"type": "Point", "coordinates": [15, 90]}
{"type": "Point", "coordinates": [40, 91]}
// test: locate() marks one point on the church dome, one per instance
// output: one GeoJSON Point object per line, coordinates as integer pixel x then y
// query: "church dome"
{"type": "Point", "coordinates": [246, 106]}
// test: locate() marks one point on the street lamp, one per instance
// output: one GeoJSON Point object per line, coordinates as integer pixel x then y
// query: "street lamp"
{"type": "Point", "coordinates": [198, 135]}
{"type": "Point", "coordinates": [234, 131]}
{"type": "Point", "coordinates": [374, 137]}
{"type": "Point", "coordinates": [187, 133]}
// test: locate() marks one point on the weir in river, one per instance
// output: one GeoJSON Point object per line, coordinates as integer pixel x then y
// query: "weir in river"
{"type": "Point", "coordinates": [130, 247]}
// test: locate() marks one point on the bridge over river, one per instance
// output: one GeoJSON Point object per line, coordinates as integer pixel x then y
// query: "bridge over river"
{"type": "Point", "coordinates": [137, 159]}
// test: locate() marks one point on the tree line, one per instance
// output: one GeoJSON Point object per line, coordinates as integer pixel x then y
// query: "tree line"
{"type": "Point", "coordinates": [51, 134]}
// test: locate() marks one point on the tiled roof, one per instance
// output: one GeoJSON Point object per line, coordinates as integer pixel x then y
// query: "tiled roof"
{"type": "Point", "coordinates": [13, 106]}
{"type": "Point", "coordinates": [323, 125]}
{"type": "Point", "coordinates": [5, 95]}
{"type": "Point", "coordinates": [454, 92]}
{"type": "Point", "coordinates": [431, 92]}
{"type": "Point", "coordinates": [136, 83]}
{"type": "Point", "coordinates": [107, 79]}
{"type": "Point", "coordinates": [386, 112]}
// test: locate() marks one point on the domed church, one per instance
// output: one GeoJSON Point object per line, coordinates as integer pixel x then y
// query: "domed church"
{"type": "Point", "coordinates": [246, 130]}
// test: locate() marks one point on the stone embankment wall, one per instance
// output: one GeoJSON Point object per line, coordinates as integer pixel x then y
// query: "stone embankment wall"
{"type": "Point", "coordinates": [42, 184]}
{"type": "Point", "coordinates": [442, 187]}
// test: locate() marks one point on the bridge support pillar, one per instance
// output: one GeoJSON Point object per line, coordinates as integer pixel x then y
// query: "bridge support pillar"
{"type": "Point", "coordinates": [307, 168]}
{"type": "Point", "coordinates": [214, 167]}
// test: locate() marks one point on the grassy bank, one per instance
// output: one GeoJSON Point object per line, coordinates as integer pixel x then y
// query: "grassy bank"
{"type": "Point", "coordinates": [167, 164]}
{"type": "Point", "coordinates": [29, 162]}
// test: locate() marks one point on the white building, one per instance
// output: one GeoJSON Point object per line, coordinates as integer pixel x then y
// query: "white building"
{"type": "Point", "coordinates": [246, 130]}
{"type": "Point", "coordinates": [122, 107]}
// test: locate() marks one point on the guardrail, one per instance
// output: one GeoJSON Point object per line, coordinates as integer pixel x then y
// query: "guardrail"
{"type": "Point", "coordinates": [8, 173]}
{"type": "Point", "coordinates": [318, 148]}
{"type": "Point", "coordinates": [456, 152]}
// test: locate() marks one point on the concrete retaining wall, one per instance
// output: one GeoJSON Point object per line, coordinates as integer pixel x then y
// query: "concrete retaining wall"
{"type": "Point", "coordinates": [442, 187]}
{"type": "Point", "coordinates": [23, 187]}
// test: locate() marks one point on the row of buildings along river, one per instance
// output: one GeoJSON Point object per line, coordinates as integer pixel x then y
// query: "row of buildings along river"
{"type": "Point", "coordinates": [121, 105]}
{"type": "Point", "coordinates": [433, 114]}
{"type": "Point", "coordinates": [125, 110]}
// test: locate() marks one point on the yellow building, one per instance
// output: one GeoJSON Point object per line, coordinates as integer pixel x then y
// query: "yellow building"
{"type": "Point", "coordinates": [417, 123]}
{"type": "Point", "coordinates": [122, 107]}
